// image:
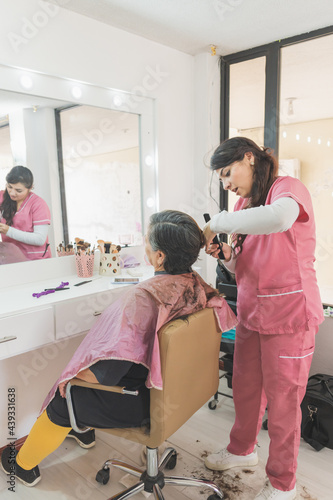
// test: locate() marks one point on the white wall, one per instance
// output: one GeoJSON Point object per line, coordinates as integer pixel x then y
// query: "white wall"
{"type": "Point", "coordinates": [51, 40]}
{"type": "Point", "coordinates": [74, 46]}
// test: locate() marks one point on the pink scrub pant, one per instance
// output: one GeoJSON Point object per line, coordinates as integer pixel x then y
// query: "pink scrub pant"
{"type": "Point", "coordinates": [271, 370]}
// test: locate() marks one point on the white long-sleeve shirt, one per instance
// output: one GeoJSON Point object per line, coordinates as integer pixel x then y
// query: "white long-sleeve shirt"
{"type": "Point", "coordinates": [275, 218]}
{"type": "Point", "coordinates": [37, 237]}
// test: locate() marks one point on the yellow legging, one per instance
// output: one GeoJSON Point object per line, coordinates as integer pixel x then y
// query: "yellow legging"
{"type": "Point", "coordinates": [43, 439]}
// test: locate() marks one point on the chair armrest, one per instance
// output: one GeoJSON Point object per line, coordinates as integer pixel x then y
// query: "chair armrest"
{"type": "Point", "coordinates": [89, 385]}
{"type": "Point", "coordinates": [99, 387]}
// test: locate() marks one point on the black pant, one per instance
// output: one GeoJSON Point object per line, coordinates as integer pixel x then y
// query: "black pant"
{"type": "Point", "coordinates": [102, 409]}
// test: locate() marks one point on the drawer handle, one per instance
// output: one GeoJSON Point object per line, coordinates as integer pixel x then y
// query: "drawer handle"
{"type": "Point", "coordinates": [97, 313]}
{"type": "Point", "coordinates": [7, 339]}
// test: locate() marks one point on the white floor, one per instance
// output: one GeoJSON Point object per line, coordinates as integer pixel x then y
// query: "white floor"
{"type": "Point", "coordinates": [69, 473]}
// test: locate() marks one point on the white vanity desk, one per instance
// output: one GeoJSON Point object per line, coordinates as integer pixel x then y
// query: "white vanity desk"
{"type": "Point", "coordinates": [27, 322]}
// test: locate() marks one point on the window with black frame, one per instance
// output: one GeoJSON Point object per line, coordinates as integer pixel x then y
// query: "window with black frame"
{"type": "Point", "coordinates": [279, 95]}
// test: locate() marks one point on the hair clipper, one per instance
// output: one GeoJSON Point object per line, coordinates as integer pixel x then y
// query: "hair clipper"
{"type": "Point", "coordinates": [216, 241]}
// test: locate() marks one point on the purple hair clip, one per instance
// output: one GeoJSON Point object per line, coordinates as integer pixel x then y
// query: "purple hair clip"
{"type": "Point", "coordinates": [62, 286]}
{"type": "Point", "coordinates": [46, 292]}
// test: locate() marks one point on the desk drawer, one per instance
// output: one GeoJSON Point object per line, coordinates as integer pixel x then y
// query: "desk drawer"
{"type": "Point", "coordinates": [78, 315]}
{"type": "Point", "coordinates": [23, 332]}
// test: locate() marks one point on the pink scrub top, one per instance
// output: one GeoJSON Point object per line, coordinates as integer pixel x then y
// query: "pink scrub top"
{"type": "Point", "coordinates": [276, 279]}
{"type": "Point", "coordinates": [33, 212]}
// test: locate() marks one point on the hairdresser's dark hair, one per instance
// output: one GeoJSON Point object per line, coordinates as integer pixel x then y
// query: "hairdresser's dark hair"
{"type": "Point", "coordinates": [265, 169]}
{"type": "Point", "coordinates": [17, 174]}
{"type": "Point", "coordinates": [178, 236]}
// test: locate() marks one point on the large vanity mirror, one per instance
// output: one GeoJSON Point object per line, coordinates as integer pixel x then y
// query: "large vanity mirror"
{"type": "Point", "coordinates": [91, 150]}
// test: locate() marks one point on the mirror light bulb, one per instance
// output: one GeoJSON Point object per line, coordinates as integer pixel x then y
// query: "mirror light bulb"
{"type": "Point", "coordinates": [76, 92]}
{"type": "Point", "coordinates": [117, 100]}
{"type": "Point", "coordinates": [150, 202]}
{"type": "Point", "coordinates": [26, 82]}
{"type": "Point", "coordinates": [148, 160]}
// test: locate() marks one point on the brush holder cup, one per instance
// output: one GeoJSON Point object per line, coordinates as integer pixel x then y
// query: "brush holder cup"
{"type": "Point", "coordinates": [64, 254]}
{"type": "Point", "coordinates": [110, 264]}
{"type": "Point", "coordinates": [84, 265]}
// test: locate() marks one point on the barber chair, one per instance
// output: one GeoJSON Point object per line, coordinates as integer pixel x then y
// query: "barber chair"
{"type": "Point", "coordinates": [189, 350]}
{"type": "Point", "coordinates": [226, 284]}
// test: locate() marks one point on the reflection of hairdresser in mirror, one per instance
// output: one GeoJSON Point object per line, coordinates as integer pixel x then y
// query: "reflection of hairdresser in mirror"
{"type": "Point", "coordinates": [24, 216]}
{"type": "Point", "coordinates": [278, 308]}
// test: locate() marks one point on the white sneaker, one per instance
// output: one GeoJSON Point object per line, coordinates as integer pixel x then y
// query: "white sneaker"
{"type": "Point", "coordinates": [223, 460]}
{"type": "Point", "coordinates": [271, 493]}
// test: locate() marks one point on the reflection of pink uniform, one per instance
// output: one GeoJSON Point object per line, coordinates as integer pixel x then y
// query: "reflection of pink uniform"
{"type": "Point", "coordinates": [279, 310]}
{"type": "Point", "coordinates": [33, 212]}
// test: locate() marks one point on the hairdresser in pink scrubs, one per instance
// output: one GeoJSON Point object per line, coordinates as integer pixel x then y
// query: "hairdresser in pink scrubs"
{"type": "Point", "coordinates": [24, 216]}
{"type": "Point", "coordinates": [279, 308]}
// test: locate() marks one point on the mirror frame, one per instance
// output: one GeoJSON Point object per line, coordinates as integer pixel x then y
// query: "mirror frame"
{"type": "Point", "coordinates": [15, 79]}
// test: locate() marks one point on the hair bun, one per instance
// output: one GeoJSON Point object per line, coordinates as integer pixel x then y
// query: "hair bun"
{"type": "Point", "coordinates": [268, 151]}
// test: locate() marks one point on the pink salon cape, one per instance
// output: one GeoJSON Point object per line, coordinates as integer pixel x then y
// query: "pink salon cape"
{"type": "Point", "coordinates": [33, 212]}
{"type": "Point", "coordinates": [127, 329]}
{"type": "Point", "coordinates": [276, 279]}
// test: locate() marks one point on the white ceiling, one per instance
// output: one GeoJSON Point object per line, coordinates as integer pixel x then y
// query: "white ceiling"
{"type": "Point", "coordinates": [14, 101]}
{"type": "Point", "coordinates": [81, 122]}
{"type": "Point", "coordinates": [191, 26]}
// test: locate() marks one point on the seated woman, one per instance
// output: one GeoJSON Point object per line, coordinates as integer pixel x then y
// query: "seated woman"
{"type": "Point", "coordinates": [122, 347]}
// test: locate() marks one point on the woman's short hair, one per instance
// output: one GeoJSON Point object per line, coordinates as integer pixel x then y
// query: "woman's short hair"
{"type": "Point", "coordinates": [178, 236]}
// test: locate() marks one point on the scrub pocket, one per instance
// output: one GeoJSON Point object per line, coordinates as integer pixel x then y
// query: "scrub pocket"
{"type": "Point", "coordinates": [282, 310]}
{"type": "Point", "coordinates": [294, 366]}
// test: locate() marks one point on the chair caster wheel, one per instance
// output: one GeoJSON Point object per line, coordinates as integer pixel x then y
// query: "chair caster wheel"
{"type": "Point", "coordinates": [172, 462]}
{"type": "Point", "coordinates": [103, 476]}
{"type": "Point", "coordinates": [214, 497]}
{"type": "Point", "coordinates": [212, 405]}
{"type": "Point", "coordinates": [265, 425]}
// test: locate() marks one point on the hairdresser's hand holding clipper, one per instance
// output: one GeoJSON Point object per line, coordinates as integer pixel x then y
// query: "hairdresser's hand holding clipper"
{"type": "Point", "coordinates": [279, 308]}
{"type": "Point", "coordinates": [214, 249]}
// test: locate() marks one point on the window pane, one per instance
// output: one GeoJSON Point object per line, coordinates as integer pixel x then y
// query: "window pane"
{"type": "Point", "coordinates": [247, 103]}
{"type": "Point", "coordinates": [306, 135]}
{"type": "Point", "coordinates": [102, 174]}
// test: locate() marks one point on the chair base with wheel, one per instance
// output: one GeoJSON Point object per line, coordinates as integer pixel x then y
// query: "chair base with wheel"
{"type": "Point", "coordinates": [153, 479]}
{"type": "Point", "coordinates": [189, 351]}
